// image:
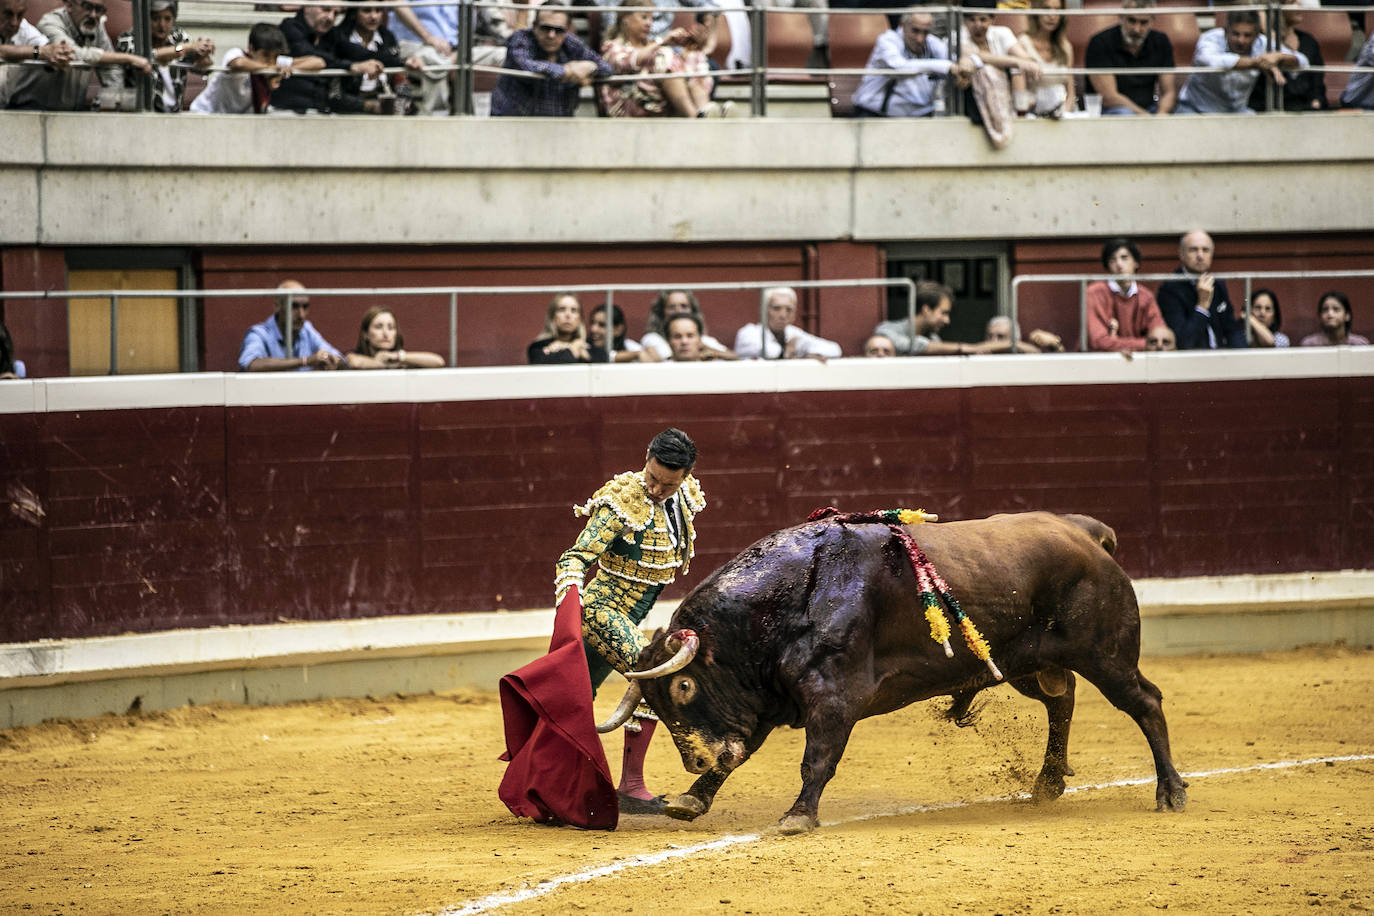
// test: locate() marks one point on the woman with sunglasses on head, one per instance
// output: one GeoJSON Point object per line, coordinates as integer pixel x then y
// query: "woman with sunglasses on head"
{"type": "Point", "coordinates": [170, 47]}
{"type": "Point", "coordinates": [550, 50]}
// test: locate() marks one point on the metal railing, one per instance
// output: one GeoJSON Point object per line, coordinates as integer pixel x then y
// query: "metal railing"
{"type": "Point", "coordinates": [1083, 280]}
{"type": "Point", "coordinates": [286, 297]}
{"type": "Point", "coordinates": [759, 70]}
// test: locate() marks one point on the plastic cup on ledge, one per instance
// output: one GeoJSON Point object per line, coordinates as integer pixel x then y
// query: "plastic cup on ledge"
{"type": "Point", "coordinates": [1092, 105]}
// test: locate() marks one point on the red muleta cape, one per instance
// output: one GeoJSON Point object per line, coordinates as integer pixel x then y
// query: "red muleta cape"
{"type": "Point", "coordinates": [558, 772]}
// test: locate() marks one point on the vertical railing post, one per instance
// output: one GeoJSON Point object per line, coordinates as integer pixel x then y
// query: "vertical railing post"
{"type": "Point", "coordinates": [286, 306]}
{"type": "Point", "coordinates": [114, 335]}
{"type": "Point", "coordinates": [143, 45]}
{"type": "Point", "coordinates": [758, 82]}
{"type": "Point", "coordinates": [608, 322]}
{"type": "Point", "coordinates": [452, 328]}
{"type": "Point", "coordinates": [1082, 316]}
{"type": "Point", "coordinates": [1245, 313]}
{"type": "Point", "coordinates": [467, 22]}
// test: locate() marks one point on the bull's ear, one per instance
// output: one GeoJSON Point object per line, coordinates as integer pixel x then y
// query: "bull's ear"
{"type": "Point", "coordinates": [658, 634]}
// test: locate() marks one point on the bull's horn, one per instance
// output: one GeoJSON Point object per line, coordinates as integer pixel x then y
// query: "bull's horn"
{"type": "Point", "coordinates": [623, 711]}
{"type": "Point", "coordinates": [687, 642]}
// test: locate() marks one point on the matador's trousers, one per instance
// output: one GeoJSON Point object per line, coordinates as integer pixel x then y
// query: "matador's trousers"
{"type": "Point", "coordinates": [612, 610]}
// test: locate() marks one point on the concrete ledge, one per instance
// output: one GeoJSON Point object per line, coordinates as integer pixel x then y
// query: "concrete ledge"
{"type": "Point", "coordinates": [280, 663]}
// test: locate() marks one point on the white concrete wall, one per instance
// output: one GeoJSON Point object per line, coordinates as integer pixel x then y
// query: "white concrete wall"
{"type": "Point", "coordinates": [190, 180]}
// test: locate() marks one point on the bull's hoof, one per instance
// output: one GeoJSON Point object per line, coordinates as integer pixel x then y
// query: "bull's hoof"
{"type": "Point", "coordinates": [1047, 789]}
{"type": "Point", "coordinates": [793, 824]}
{"type": "Point", "coordinates": [685, 808]}
{"type": "Point", "coordinates": [1175, 799]}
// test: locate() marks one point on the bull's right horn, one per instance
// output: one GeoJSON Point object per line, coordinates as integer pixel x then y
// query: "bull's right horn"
{"type": "Point", "coordinates": [687, 642]}
{"type": "Point", "coordinates": [623, 711]}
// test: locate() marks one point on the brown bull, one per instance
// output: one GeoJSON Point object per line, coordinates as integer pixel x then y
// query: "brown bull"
{"type": "Point", "coordinates": [820, 625]}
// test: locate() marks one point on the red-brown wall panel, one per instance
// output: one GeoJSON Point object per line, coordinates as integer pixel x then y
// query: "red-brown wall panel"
{"type": "Point", "coordinates": [196, 517]}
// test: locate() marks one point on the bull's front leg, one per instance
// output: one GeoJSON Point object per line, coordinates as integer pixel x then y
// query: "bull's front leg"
{"type": "Point", "coordinates": [827, 733]}
{"type": "Point", "coordinates": [697, 800]}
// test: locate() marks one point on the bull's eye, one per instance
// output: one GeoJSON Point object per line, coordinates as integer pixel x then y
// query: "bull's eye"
{"type": "Point", "coordinates": [683, 690]}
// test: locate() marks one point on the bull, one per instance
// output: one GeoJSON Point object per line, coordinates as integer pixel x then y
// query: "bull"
{"type": "Point", "coordinates": [820, 625]}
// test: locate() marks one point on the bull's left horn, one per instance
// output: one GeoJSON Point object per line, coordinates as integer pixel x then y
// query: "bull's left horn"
{"type": "Point", "coordinates": [687, 643]}
{"type": "Point", "coordinates": [623, 711]}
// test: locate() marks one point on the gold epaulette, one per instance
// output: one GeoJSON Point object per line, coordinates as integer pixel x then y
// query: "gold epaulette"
{"type": "Point", "coordinates": [623, 494]}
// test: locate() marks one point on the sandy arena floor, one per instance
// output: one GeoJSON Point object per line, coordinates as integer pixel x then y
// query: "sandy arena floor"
{"type": "Point", "coordinates": [389, 806]}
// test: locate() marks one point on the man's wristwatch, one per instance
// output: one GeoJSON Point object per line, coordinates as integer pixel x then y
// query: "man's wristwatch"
{"type": "Point", "coordinates": [181, 49]}
{"type": "Point", "coordinates": [35, 52]}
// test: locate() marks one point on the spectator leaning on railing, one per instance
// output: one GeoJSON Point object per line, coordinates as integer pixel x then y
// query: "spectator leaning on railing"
{"type": "Point", "coordinates": [365, 27]}
{"type": "Point", "coordinates": [1121, 312]}
{"type": "Point", "coordinates": [239, 88]}
{"type": "Point", "coordinates": [311, 33]}
{"type": "Point", "coordinates": [561, 59]}
{"type": "Point", "coordinates": [1359, 92]}
{"type": "Point", "coordinates": [1045, 40]}
{"type": "Point", "coordinates": [1304, 91]}
{"type": "Point", "coordinates": [782, 339]}
{"type": "Point", "coordinates": [910, 48]}
{"type": "Point", "coordinates": [20, 41]}
{"type": "Point", "coordinates": [264, 346]}
{"type": "Point", "coordinates": [431, 32]}
{"type": "Point", "coordinates": [1133, 43]}
{"type": "Point", "coordinates": [1240, 49]}
{"type": "Point", "coordinates": [80, 24]}
{"type": "Point", "coordinates": [170, 45]}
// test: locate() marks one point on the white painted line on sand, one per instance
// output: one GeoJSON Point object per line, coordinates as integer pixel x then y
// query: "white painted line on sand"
{"type": "Point", "coordinates": [505, 898]}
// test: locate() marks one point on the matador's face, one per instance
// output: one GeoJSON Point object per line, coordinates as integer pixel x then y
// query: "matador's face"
{"type": "Point", "coordinates": [662, 482]}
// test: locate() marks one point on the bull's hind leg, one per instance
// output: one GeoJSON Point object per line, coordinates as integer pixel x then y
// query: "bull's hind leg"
{"type": "Point", "coordinates": [1132, 693]}
{"type": "Point", "coordinates": [1049, 785]}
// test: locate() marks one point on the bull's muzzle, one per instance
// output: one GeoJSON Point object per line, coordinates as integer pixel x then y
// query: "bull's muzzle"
{"type": "Point", "coordinates": [702, 756]}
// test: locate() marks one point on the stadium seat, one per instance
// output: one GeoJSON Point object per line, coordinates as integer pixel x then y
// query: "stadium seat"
{"type": "Point", "coordinates": [1081, 29]}
{"type": "Point", "coordinates": [789, 42]}
{"type": "Point", "coordinates": [852, 37]}
{"type": "Point", "coordinates": [1183, 32]}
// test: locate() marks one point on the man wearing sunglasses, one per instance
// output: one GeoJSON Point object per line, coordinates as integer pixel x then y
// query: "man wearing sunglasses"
{"type": "Point", "coordinates": [80, 24]}
{"type": "Point", "coordinates": [562, 61]}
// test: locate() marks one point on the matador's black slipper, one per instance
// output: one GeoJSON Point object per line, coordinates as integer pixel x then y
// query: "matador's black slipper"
{"type": "Point", "coordinates": [631, 805]}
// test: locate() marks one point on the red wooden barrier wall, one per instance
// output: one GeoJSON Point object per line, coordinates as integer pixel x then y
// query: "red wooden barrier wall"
{"type": "Point", "coordinates": [191, 517]}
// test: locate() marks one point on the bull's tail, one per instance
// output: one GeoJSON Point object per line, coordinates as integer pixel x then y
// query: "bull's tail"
{"type": "Point", "coordinates": [1102, 534]}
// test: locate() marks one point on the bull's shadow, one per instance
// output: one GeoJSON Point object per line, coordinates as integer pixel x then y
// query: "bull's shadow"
{"type": "Point", "coordinates": [820, 625]}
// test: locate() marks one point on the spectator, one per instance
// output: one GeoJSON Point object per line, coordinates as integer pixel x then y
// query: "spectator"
{"type": "Point", "coordinates": [81, 24]}
{"type": "Point", "coordinates": [667, 305]}
{"type": "Point", "coordinates": [663, 17]}
{"type": "Point", "coordinates": [1240, 49]}
{"type": "Point", "coordinates": [10, 367]}
{"type": "Point", "coordinates": [1133, 43]}
{"type": "Point", "coordinates": [1120, 312]}
{"type": "Point", "coordinates": [998, 68]}
{"type": "Point", "coordinates": [998, 338]}
{"type": "Point", "coordinates": [431, 33]}
{"type": "Point", "coordinates": [381, 346]}
{"type": "Point", "coordinates": [1302, 91]}
{"type": "Point", "coordinates": [696, 58]}
{"type": "Point", "coordinates": [240, 88]}
{"type": "Point", "coordinates": [365, 27]}
{"type": "Point", "coordinates": [623, 349]}
{"type": "Point", "coordinates": [264, 346]}
{"type": "Point", "coordinates": [1160, 338]}
{"type": "Point", "coordinates": [562, 59]}
{"type": "Point", "coordinates": [782, 339]}
{"type": "Point", "coordinates": [21, 41]}
{"type": "Point", "coordinates": [628, 48]}
{"type": "Point", "coordinates": [910, 48]}
{"type": "Point", "coordinates": [311, 33]}
{"type": "Point", "coordinates": [170, 45]}
{"type": "Point", "coordinates": [1335, 316]}
{"type": "Point", "coordinates": [1198, 308]}
{"type": "Point", "coordinates": [564, 338]}
{"type": "Point", "coordinates": [879, 346]}
{"type": "Point", "coordinates": [1265, 320]}
{"type": "Point", "coordinates": [921, 337]}
{"type": "Point", "coordinates": [684, 336]}
{"type": "Point", "coordinates": [1359, 92]}
{"type": "Point", "coordinates": [1046, 42]}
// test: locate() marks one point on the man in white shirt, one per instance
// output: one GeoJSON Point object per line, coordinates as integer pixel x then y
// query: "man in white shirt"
{"type": "Point", "coordinates": [20, 41]}
{"type": "Point", "coordinates": [782, 339]}
{"type": "Point", "coordinates": [912, 49]}
{"type": "Point", "coordinates": [1244, 52]}
{"type": "Point", "coordinates": [80, 24]}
